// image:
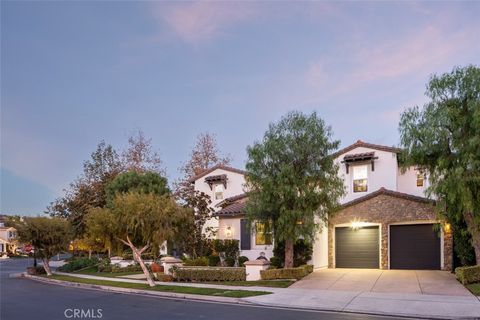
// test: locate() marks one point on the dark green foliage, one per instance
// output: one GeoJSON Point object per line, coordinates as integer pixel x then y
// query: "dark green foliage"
{"type": "Point", "coordinates": [464, 254]}
{"type": "Point", "coordinates": [467, 275]}
{"type": "Point", "coordinates": [213, 261]}
{"type": "Point", "coordinates": [302, 249]}
{"type": "Point", "coordinates": [229, 262]}
{"type": "Point", "coordinates": [139, 182]}
{"type": "Point", "coordinates": [209, 274]}
{"type": "Point", "coordinates": [78, 264]}
{"type": "Point", "coordinates": [228, 246]}
{"type": "Point", "coordinates": [443, 139]}
{"type": "Point", "coordinates": [287, 273]}
{"type": "Point", "coordinates": [276, 262]}
{"type": "Point", "coordinates": [293, 179]}
{"type": "Point", "coordinates": [200, 261]}
{"type": "Point", "coordinates": [242, 260]}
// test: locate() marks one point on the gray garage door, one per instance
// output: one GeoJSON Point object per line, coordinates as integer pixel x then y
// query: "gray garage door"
{"type": "Point", "coordinates": [357, 248]}
{"type": "Point", "coordinates": [414, 247]}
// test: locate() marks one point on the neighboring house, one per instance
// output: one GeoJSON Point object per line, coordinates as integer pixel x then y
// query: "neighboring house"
{"type": "Point", "coordinates": [219, 183]}
{"type": "Point", "coordinates": [385, 220]}
{"type": "Point", "coordinates": [7, 239]}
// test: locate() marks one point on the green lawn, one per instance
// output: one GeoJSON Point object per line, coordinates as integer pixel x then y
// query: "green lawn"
{"type": "Point", "coordinates": [93, 272]}
{"type": "Point", "coordinates": [474, 288]}
{"type": "Point", "coordinates": [164, 288]}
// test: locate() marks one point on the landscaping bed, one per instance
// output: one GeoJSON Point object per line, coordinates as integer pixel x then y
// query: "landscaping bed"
{"type": "Point", "coordinates": [163, 288]}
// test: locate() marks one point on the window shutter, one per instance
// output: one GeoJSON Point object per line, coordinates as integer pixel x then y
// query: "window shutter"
{"type": "Point", "coordinates": [245, 238]}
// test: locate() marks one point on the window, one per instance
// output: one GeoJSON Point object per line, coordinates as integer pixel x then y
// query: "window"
{"type": "Point", "coordinates": [360, 178]}
{"type": "Point", "coordinates": [420, 179]}
{"type": "Point", "coordinates": [218, 192]}
{"type": "Point", "coordinates": [262, 237]}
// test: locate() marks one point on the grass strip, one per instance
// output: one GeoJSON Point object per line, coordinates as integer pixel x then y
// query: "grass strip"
{"type": "Point", "coordinates": [93, 272]}
{"type": "Point", "coordinates": [474, 288]}
{"type": "Point", "coordinates": [164, 288]}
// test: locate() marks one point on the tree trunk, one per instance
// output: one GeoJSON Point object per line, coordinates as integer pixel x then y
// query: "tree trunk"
{"type": "Point", "coordinates": [137, 256]}
{"type": "Point", "coordinates": [109, 253]}
{"type": "Point", "coordinates": [89, 254]}
{"type": "Point", "coordinates": [288, 253]}
{"type": "Point", "coordinates": [474, 230]}
{"type": "Point", "coordinates": [46, 266]}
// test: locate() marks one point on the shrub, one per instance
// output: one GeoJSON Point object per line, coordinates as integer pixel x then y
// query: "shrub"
{"type": "Point", "coordinates": [242, 260]}
{"type": "Point", "coordinates": [467, 275]}
{"type": "Point", "coordinates": [209, 274]}
{"type": "Point", "coordinates": [78, 264]}
{"type": "Point", "coordinates": [229, 261]}
{"type": "Point", "coordinates": [163, 277]}
{"type": "Point", "coordinates": [213, 261]}
{"type": "Point", "coordinates": [200, 261]}
{"type": "Point", "coordinates": [302, 251]}
{"type": "Point", "coordinates": [288, 273]}
{"type": "Point", "coordinates": [276, 262]}
{"type": "Point", "coordinates": [104, 265]}
{"type": "Point", "coordinates": [229, 246]}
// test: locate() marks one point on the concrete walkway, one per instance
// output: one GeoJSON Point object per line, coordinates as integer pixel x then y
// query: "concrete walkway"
{"type": "Point", "coordinates": [420, 305]}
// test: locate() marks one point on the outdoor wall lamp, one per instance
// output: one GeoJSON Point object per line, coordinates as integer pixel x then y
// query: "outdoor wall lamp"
{"type": "Point", "coordinates": [447, 227]}
{"type": "Point", "coordinates": [355, 224]}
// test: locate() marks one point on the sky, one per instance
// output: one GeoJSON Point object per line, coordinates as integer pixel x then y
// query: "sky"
{"type": "Point", "coordinates": [74, 73]}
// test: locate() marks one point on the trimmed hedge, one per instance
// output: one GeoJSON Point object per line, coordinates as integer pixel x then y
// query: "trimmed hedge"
{"type": "Point", "coordinates": [467, 275]}
{"type": "Point", "coordinates": [209, 274]}
{"type": "Point", "coordinates": [286, 273]}
{"type": "Point", "coordinates": [78, 263]}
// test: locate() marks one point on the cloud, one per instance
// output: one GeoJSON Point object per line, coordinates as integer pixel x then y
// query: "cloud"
{"type": "Point", "coordinates": [196, 22]}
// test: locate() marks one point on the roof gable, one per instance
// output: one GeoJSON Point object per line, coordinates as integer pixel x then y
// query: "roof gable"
{"type": "Point", "coordinates": [218, 166]}
{"type": "Point", "coordinates": [360, 143]}
{"type": "Point", "coordinates": [383, 191]}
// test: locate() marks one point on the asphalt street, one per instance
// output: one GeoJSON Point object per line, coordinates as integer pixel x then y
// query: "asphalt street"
{"type": "Point", "coordinates": [23, 299]}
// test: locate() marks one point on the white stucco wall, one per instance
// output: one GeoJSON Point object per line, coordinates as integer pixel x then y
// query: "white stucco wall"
{"type": "Point", "coordinates": [234, 224]}
{"type": "Point", "coordinates": [320, 249]}
{"type": "Point", "coordinates": [407, 183]}
{"type": "Point", "coordinates": [235, 185]}
{"type": "Point", "coordinates": [384, 175]}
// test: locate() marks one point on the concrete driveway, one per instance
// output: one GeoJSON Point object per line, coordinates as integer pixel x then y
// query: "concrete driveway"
{"type": "Point", "coordinates": [385, 281]}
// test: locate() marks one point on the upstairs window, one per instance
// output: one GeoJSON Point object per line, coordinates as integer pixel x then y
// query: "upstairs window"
{"type": "Point", "coordinates": [420, 179]}
{"type": "Point", "coordinates": [360, 178]}
{"type": "Point", "coordinates": [261, 236]}
{"type": "Point", "coordinates": [218, 192]}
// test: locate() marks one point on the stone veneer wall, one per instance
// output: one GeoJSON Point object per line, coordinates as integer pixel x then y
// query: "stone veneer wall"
{"type": "Point", "coordinates": [387, 209]}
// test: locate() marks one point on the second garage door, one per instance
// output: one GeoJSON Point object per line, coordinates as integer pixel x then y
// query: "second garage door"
{"type": "Point", "coordinates": [414, 247]}
{"type": "Point", "coordinates": [357, 248]}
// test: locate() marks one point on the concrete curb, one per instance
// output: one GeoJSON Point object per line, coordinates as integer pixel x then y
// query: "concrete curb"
{"type": "Point", "coordinates": [158, 294]}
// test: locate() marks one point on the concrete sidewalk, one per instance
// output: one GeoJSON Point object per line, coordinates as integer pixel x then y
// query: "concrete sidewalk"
{"type": "Point", "coordinates": [399, 304]}
{"type": "Point", "coordinates": [412, 305]}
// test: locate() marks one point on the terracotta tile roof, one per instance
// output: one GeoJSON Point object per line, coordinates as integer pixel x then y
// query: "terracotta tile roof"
{"type": "Point", "coordinates": [359, 156]}
{"type": "Point", "coordinates": [218, 166]}
{"type": "Point", "coordinates": [360, 143]}
{"type": "Point", "coordinates": [234, 209]}
{"type": "Point", "coordinates": [391, 193]}
{"type": "Point", "coordinates": [231, 199]}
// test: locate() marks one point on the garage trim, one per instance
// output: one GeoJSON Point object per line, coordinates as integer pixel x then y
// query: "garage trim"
{"type": "Point", "coordinates": [442, 262]}
{"type": "Point", "coordinates": [366, 224]}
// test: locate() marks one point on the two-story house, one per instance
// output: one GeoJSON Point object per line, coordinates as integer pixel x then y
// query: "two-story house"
{"type": "Point", "coordinates": [7, 239]}
{"type": "Point", "coordinates": [385, 220]}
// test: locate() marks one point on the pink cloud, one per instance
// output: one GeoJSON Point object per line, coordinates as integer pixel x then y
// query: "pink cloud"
{"type": "Point", "coordinates": [195, 22]}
